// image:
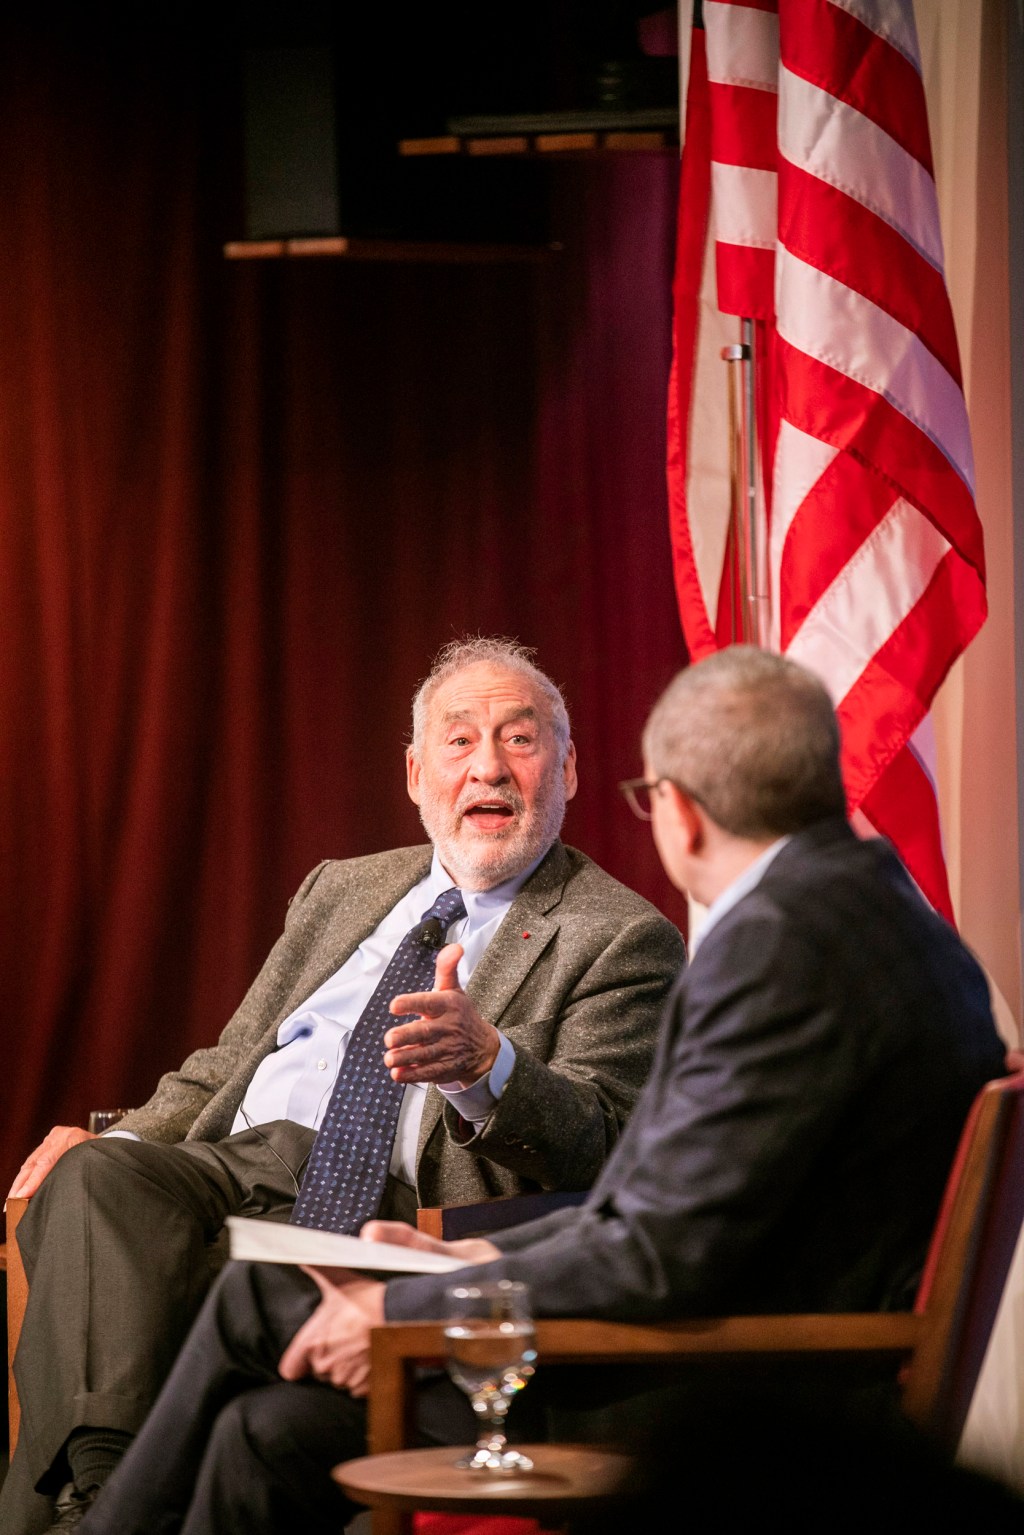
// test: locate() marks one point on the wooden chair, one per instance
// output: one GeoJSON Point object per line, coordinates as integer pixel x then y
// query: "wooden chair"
{"type": "Point", "coordinates": [935, 1352]}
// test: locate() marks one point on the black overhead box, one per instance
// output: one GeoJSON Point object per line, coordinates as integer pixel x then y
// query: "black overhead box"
{"type": "Point", "coordinates": [354, 127]}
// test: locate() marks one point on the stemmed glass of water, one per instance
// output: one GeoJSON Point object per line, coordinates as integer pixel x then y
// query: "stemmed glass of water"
{"type": "Point", "coordinates": [489, 1340]}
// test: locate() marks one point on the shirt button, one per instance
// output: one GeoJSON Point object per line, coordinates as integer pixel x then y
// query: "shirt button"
{"type": "Point", "coordinates": [321, 1065]}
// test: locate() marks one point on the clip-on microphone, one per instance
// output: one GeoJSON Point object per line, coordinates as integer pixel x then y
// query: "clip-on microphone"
{"type": "Point", "coordinates": [432, 933]}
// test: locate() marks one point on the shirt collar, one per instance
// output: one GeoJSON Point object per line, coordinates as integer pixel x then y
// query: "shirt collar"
{"type": "Point", "coordinates": [731, 896]}
{"type": "Point", "coordinates": [482, 904]}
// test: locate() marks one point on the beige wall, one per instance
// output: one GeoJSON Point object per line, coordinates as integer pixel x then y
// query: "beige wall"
{"type": "Point", "coordinates": [964, 48]}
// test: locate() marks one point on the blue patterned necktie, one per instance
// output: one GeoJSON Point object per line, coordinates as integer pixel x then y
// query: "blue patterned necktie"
{"type": "Point", "coordinates": [348, 1165]}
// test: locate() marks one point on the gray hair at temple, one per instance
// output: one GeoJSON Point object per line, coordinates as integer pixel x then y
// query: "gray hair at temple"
{"type": "Point", "coordinates": [482, 649]}
{"type": "Point", "coordinates": [753, 738]}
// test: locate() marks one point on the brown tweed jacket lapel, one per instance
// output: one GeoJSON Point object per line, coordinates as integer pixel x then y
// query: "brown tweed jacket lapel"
{"type": "Point", "coordinates": [510, 956]}
{"type": "Point", "coordinates": [363, 895]}
{"type": "Point", "coordinates": [373, 896]}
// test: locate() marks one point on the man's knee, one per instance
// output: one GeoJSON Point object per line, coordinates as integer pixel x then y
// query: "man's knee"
{"type": "Point", "coordinates": [71, 1170]}
{"type": "Point", "coordinates": [294, 1431]}
{"type": "Point", "coordinates": [138, 1189]}
{"type": "Point", "coordinates": [95, 1168]}
{"type": "Point", "coordinates": [260, 1307]}
{"type": "Point", "coordinates": [67, 1192]}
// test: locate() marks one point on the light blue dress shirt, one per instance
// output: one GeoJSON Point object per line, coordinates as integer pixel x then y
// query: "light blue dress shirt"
{"type": "Point", "coordinates": [295, 1081]}
{"type": "Point", "coordinates": [731, 896]}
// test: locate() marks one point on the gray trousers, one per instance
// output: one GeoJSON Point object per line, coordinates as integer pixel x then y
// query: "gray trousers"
{"type": "Point", "coordinates": [120, 1246]}
{"type": "Point", "coordinates": [231, 1449]}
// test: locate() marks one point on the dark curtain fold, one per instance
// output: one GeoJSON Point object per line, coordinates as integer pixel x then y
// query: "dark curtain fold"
{"type": "Point", "coordinates": [241, 504]}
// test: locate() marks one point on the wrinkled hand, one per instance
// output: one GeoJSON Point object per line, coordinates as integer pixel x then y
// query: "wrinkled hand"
{"type": "Point", "coordinates": [334, 1344]}
{"type": "Point", "coordinates": [449, 1041]}
{"type": "Point", "coordinates": [469, 1249]}
{"type": "Point", "coordinates": [1014, 1061]}
{"type": "Point", "coordinates": [35, 1168]}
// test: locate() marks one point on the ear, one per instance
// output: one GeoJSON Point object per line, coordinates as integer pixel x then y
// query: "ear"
{"type": "Point", "coordinates": [569, 771]}
{"type": "Point", "coordinates": [412, 775]}
{"type": "Point", "coordinates": [687, 818]}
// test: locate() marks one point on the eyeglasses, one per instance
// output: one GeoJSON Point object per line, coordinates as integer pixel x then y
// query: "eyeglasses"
{"type": "Point", "coordinates": [637, 793]}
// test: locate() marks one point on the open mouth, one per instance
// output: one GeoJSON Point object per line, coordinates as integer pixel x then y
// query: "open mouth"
{"type": "Point", "coordinates": [489, 815]}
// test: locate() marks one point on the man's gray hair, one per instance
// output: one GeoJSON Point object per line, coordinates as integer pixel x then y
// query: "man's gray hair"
{"type": "Point", "coordinates": [478, 649]}
{"type": "Point", "coordinates": [753, 738]}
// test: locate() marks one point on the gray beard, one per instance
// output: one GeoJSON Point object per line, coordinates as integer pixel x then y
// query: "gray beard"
{"type": "Point", "coordinates": [481, 867]}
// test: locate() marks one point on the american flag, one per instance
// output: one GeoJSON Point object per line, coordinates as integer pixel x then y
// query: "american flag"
{"type": "Point", "coordinates": [808, 205]}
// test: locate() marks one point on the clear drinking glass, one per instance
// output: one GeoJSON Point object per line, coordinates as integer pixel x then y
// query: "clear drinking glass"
{"type": "Point", "coordinates": [103, 1119]}
{"type": "Point", "coordinates": [490, 1356]}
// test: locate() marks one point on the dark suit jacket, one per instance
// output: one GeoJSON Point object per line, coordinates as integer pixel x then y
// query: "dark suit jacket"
{"type": "Point", "coordinates": [576, 976]}
{"type": "Point", "coordinates": [816, 1064]}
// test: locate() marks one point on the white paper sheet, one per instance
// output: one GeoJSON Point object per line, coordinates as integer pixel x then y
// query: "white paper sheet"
{"type": "Point", "coordinates": [278, 1242]}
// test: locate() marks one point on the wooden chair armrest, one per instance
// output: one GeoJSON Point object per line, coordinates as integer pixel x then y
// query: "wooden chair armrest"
{"type": "Point", "coordinates": [397, 1348]}
{"type": "Point", "coordinates": [17, 1295]}
{"type": "Point", "coordinates": [450, 1222]}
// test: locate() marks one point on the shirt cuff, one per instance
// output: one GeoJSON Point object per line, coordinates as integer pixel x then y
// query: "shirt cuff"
{"type": "Point", "coordinates": [125, 1135]}
{"type": "Point", "coordinates": [476, 1103]}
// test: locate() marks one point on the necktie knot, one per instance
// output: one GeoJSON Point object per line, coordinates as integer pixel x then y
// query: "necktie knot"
{"type": "Point", "coordinates": [448, 908]}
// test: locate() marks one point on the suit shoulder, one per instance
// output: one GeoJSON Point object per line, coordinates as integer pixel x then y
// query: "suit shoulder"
{"type": "Point", "coordinates": [334, 877]}
{"type": "Point", "coordinates": [590, 888]}
{"type": "Point", "coordinates": [846, 910]}
{"type": "Point", "coordinates": [849, 885]}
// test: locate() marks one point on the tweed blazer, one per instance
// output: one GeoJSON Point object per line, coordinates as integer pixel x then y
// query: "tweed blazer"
{"type": "Point", "coordinates": [575, 976]}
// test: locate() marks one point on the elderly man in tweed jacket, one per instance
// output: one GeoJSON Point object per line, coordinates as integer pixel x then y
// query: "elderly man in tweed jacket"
{"type": "Point", "coordinates": [520, 1067]}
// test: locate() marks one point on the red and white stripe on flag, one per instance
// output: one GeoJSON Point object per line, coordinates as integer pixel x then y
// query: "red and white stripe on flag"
{"type": "Point", "coordinates": [806, 155]}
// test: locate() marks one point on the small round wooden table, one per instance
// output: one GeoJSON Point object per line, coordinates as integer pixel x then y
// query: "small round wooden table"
{"type": "Point", "coordinates": [565, 1478]}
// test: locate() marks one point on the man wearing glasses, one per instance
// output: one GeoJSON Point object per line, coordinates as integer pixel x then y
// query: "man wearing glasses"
{"type": "Point", "coordinates": [816, 1063]}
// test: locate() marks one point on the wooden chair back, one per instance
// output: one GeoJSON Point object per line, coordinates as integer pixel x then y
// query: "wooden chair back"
{"type": "Point", "coordinates": [969, 1258]}
{"type": "Point", "coordinates": [451, 1222]}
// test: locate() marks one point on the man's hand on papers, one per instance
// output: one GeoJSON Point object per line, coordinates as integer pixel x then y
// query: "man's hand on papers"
{"type": "Point", "coordinates": [449, 1041]}
{"type": "Point", "coordinates": [46, 1155]}
{"type": "Point", "coordinates": [334, 1344]}
{"type": "Point", "coordinates": [469, 1249]}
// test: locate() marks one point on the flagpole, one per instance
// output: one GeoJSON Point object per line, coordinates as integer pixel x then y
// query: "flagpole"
{"type": "Point", "coordinates": [748, 446]}
{"type": "Point", "coordinates": [754, 617]}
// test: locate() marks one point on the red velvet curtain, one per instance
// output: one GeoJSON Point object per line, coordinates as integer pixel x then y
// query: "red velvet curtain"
{"type": "Point", "coordinates": [241, 504]}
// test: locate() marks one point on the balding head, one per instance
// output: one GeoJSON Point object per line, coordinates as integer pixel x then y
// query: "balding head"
{"type": "Point", "coordinates": [490, 650]}
{"type": "Point", "coordinates": [753, 738]}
